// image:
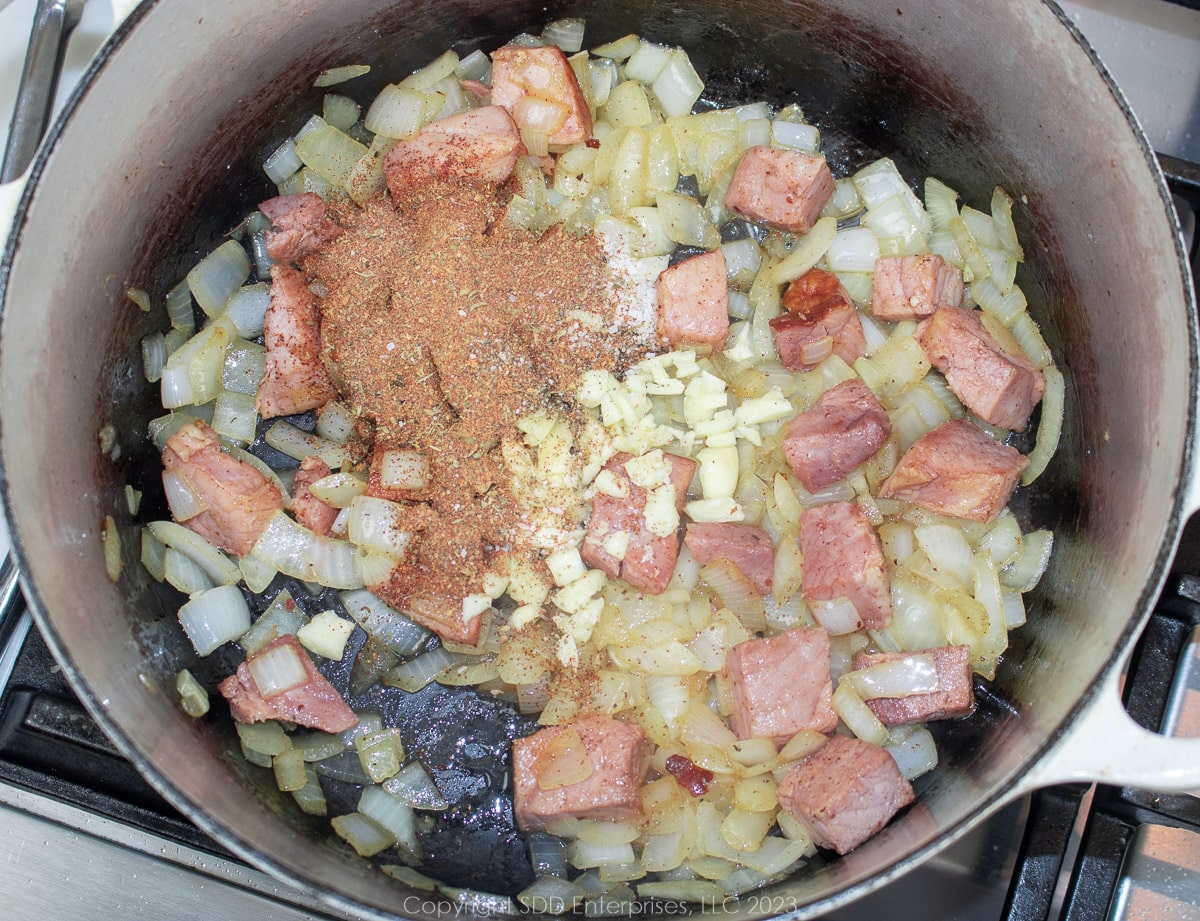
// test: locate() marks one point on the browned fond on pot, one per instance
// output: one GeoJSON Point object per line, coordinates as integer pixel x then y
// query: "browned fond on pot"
{"type": "Point", "coordinates": [185, 108]}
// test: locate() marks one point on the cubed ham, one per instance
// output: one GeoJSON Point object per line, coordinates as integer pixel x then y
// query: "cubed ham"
{"type": "Point", "coordinates": [908, 287]}
{"type": "Point", "coordinates": [819, 320]}
{"type": "Point", "coordinates": [300, 226]}
{"type": "Point", "coordinates": [844, 793]}
{"type": "Point", "coordinates": [314, 704]}
{"type": "Point", "coordinates": [648, 559]}
{"type": "Point", "coordinates": [693, 301]}
{"type": "Point", "coordinates": [481, 145]}
{"type": "Point", "coordinates": [296, 379]}
{"type": "Point", "coordinates": [308, 509]}
{"type": "Point", "coordinates": [843, 559]}
{"type": "Point", "coordinates": [845, 427]}
{"type": "Point", "coordinates": [524, 80]}
{"type": "Point", "coordinates": [749, 548]}
{"type": "Point", "coordinates": [443, 615]}
{"type": "Point", "coordinates": [781, 684]}
{"type": "Point", "coordinates": [619, 756]}
{"type": "Point", "coordinates": [954, 697]}
{"type": "Point", "coordinates": [784, 189]}
{"type": "Point", "coordinates": [956, 470]}
{"type": "Point", "coordinates": [240, 500]}
{"type": "Point", "coordinates": [997, 384]}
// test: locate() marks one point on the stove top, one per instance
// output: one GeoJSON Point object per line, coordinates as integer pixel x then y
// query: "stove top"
{"type": "Point", "coordinates": [83, 835]}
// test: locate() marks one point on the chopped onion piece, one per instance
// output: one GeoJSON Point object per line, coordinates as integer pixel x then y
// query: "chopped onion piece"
{"type": "Point", "coordinates": [566, 33]}
{"type": "Point", "coordinates": [812, 246]}
{"type": "Point", "coordinates": [366, 836]}
{"type": "Point", "coordinates": [397, 631]}
{"type": "Point", "coordinates": [551, 895]}
{"type": "Point", "coordinates": [404, 469]}
{"type": "Point", "coordinates": [278, 670]}
{"type": "Point", "coordinates": [475, 66]}
{"type": "Point", "coordinates": [860, 718]}
{"type": "Point", "coordinates": [390, 813]}
{"type": "Point", "coordinates": [338, 489]}
{"type": "Point", "coordinates": [154, 356]}
{"type": "Point", "coordinates": [179, 308]}
{"type": "Point", "coordinates": [182, 574]}
{"type": "Point", "coordinates": [838, 616]}
{"type": "Point", "coordinates": [335, 75]}
{"type": "Point", "coordinates": [396, 113]}
{"type": "Point", "coordinates": [1023, 573]}
{"type": "Point", "coordinates": [215, 617]}
{"type": "Point", "coordinates": [216, 564]}
{"type": "Point", "coordinates": [796, 136]}
{"type": "Point", "coordinates": [415, 788]}
{"type": "Point", "coordinates": [736, 593]}
{"type": "Point", "coordinates": [854, 249]}
{"type": "Point", "coordinates": [299, 444]}
{"type": "Point", "coordinates": [335, 421]}
{"type": "Point", "coordinates": [565, 761]}
{"type": "Point", "coordinates": [246, 307]}
{"type": "Point", "coordinates": [677, 86]}
{"type": "Point", "coordinates": [245, 367]}
{"type": "Point", "coordinates": [1049, 427]}
{"type": "Point", "coordinates": [193, 699]}
{"type": "Point", "coordinates": [376, 524]}
{"type": "Point", "coordinates": [421, 671]}
{"type": "Point", "coordinates": [235, 417]}
{"type": "Point", "coordinates": [111, 543]}
{"type": "Point", "coordinates": [296, 551]}
{"type": "Point", "coordinates": [914, 674]}
{"type": "Point", "coordinates": [915, 754]}
{"type": "Point", "coordinates": [153, 555]}
{"type": "Point", "coordinates": [282, 162]}
{"type": "Point", "coordinates": [218, 275]}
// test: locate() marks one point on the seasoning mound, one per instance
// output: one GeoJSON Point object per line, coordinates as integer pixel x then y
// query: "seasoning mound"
{"type": "Point", "coordinates": [443, 325]}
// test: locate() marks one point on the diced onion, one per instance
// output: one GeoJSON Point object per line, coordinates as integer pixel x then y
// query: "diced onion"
{"type": "Point", "coordinates": [915, 754]}
{"type": "Point", "coordinates": [809, 250]}
{"type": "Point", "coordinates": [421, 671]}
{"type": "Point", "coordinates": [299, 444]}
{"type": "Point", "coordinates": [276, 671]}
{"type": "Point", "coordinates": [216, 564]}
{"type": "Point", "coordinates": [366, 836]}
{"type": "Point", "coordinates": [154, 356]}
{"type": "Point", "coordinates": [335, 75]}
{"type": "Point", "coordinates": [415, 788]}
{"type": "Point", "coordinates": [1049, 427]}
{"type": "Point", "coordinates": [375, 524]}
{"type": "Point", "coordinates": [182, 574]}
{"type": "Point", "coordinates": [179, 308]}
{"type": "Point", "coordinates": [854, 249]}
{"type": "Point", "coordinates": [298, 552]}
{"type": "Point", "coordinates": [218, 275]}
{"type": "Point", "coordinates": [838, 616]}
{"type": "Point", "coordinates": [403, 469]}
{"type": "Point", "coordinates": [391, 813]}
{"type": "Point", "coordinates": [215, 617]}
{"type": "Point", "coordinates": [193, 699]}
{"type": "Point", "coordinates": [335, 421]}
{"type": "Point", "coordinates": [677, 86]}
{"type": "Point", "coordinates": [736, 593]}
{"type": "Point", "coordinates": [914, 674]}
{"type": "Point", "coordinates": [282, 162]}
{"type": "Point", "coordinates": [1023, 573]}
{"type": "Point", "coordinates": [551, 895]}
{"type": "Point", "coordinates": [246, 307]}
{"type": "Point", "coordinates": [861, 720]}
{"type": "Point", "coordinates": [566, 33]}
{"type": "Point", "coordinates": [338, 490]}
{"type": "Point", "coordinates": [565, 761]}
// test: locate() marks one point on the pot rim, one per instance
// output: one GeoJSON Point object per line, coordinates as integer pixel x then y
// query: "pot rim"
{"type": "Point", "coordinates": [1001, 794]}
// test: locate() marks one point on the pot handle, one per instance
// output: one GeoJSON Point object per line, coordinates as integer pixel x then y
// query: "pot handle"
{"type": "Point", "coordinates": [53, 23]}
{"type": "Point", "coordinates": [1105, 745]}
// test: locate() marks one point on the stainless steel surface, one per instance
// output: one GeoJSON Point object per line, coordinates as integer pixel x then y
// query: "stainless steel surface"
{"type": "Point", "coordinates": [53, 24]}
{"type": "Point", "coordinates": [61, 862]}
{"type": "Point", "coordinates": [1182, 715]}
{"type": "Point", "coordinates": [72, 539]}
{"type": "Point", "coordinates": [1160, 878]}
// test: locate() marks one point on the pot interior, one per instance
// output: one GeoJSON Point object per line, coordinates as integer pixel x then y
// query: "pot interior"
{"type": "Point", "coordinates": [161, 156]}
